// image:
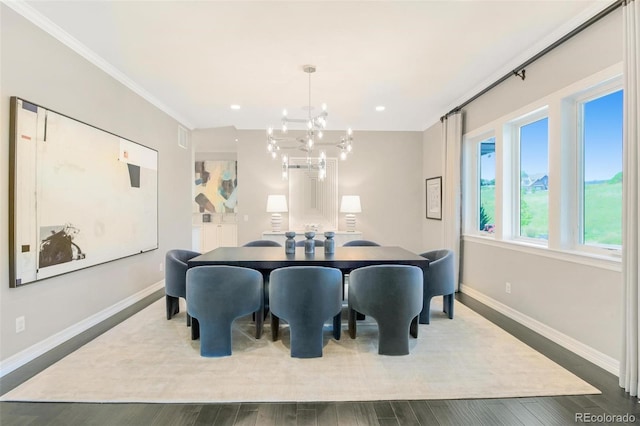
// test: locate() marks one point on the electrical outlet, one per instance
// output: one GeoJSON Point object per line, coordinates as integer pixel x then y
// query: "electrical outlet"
{"type": "Point", "coordinates": [20, 324]}
{"type": "Point", "coordinates": [161, 267]}
{"type": "Point", "coordinates": [507, 288]}
{"type": "Point", "coordinates": [246, 218]}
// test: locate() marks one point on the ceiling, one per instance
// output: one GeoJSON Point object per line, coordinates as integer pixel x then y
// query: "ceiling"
{"type": "Point", "coordinates": [419, 59]}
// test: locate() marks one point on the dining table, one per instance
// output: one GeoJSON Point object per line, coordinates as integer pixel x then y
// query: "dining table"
{"type": "Point", "coordinates": [346, 259]}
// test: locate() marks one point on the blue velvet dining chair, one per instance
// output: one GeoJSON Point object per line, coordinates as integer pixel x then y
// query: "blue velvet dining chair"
{"type": "Point", "coordinates": [357, 243]}
{"type": "Point", "coordinates": [360, 243]}
{"type": "Point", "coordinates": [306, 297]}
{"type": "Point", "coordinates": [265, 275]}
{"type": "Point", "coordinates": [439, 280]}
{"type": "Point", "coordinates": [217, 296]}
{"type": "Point", "coordinates": [392, 296]}
{"type": "Point", "coordinates": [262, 243]}
{"type": "Point", "coordinates": [175, 279]}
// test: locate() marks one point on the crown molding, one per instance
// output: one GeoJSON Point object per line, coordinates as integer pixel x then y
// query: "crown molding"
{"type": "Point", "coordinates": [44, 23]}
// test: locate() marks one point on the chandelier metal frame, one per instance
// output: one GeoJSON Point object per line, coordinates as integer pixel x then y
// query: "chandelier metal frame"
{"type": "Point", "coordinates": [315, 125]}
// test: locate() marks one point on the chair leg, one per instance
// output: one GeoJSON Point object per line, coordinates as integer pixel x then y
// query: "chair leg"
{"type": "Point", "coordinates": [352, 323]}
{"type": "Point", "coordinates": [275, 324]}
{"type": "Point", "coordinates": [188, 320]}
{"type": "Point", "coordinates": [413, 328]}
{"type": "Point", "coordinates": [264, 315]}
{"type": "Point", "coordinates": [447, 303]}
{"type": "Point", "coordinates": [195, 329]}
{"type": "Point", "coordinates": [425, 314]}
{"type": "Point", "coordinates": [393, 338]}
{"type": "Point", "coordinates": [337, 325]}
{"type": "Point", "coordinates": [306, 341]}
{"type": "Point", "coordinates": [265, 299]}
{"type": "Point", "coordinates": [215, 340]}
{"type": "Point", "coordinates": [259, 317]}
{"type": "Point", "coordinates": [173, 305]}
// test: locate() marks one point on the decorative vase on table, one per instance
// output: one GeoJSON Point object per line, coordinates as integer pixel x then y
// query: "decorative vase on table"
{"type": "Point", "coordinates": [290, 243]}
{"type": "Point", "coordinates": [309, 244]}
{"type": "Point", "coordinates": [329, 243]}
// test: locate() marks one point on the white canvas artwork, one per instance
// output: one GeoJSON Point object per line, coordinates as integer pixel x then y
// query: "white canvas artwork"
{"type": "Point", "coordinates": [82, 196]}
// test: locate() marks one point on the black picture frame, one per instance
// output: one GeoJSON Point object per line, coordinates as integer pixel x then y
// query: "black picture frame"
{"type": "Point", "coordinates": [433, 192]}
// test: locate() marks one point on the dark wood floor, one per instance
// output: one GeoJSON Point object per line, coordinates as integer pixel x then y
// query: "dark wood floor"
{"type": "Point", "coordinates": [513, 411]}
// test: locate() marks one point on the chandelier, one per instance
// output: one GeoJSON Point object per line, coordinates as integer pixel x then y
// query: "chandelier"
{"type": "Point", "coordinates": [306, 140]}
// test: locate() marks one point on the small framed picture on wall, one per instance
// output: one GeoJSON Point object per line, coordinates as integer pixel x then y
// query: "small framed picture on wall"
{"type": "Point", "coordinates": [434, 197]}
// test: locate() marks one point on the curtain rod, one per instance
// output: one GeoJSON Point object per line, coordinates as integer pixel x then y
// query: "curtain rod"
{"type": "Point", "coordinates": [519, 71]}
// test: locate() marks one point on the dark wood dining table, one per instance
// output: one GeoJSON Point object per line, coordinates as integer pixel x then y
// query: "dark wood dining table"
{"type": "Point", "coordinates": [266, 259]}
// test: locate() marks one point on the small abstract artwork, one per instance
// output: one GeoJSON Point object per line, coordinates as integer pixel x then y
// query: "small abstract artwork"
{"type": "Point", "coordinates": [216, 186]}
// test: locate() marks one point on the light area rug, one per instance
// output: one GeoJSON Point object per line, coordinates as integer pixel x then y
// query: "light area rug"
{"type": "Point", "coordinates": [149, 359]}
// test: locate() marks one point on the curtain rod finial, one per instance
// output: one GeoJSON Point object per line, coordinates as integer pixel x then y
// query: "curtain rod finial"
{"type": "Point", "coordinates": [520, 74]}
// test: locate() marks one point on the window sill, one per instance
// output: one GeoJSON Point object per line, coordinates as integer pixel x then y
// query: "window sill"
{"type": "Point", "coordinates": [612, 262]}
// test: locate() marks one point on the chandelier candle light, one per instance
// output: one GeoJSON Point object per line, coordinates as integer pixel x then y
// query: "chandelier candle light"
{"type": "Point", "coordinates": [350, 204]}
{"type": "Point", "coordinates": [276, 204]}
{"type": "Point", "coordinates": [313, 134]}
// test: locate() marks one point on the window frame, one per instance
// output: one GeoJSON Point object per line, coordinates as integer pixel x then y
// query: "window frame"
{"type": "Point", "coordinates": [575, 119]}
{"type": "Point", "coordinates": [563, 234]}
{"type": "Point", "coordinates": [513, 127]}
{"type": "Point", "coordinates": [471, 179]}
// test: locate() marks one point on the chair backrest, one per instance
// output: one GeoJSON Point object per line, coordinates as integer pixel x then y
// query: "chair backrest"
{"type": "Point", "coordinates": [220, 291]}
{"type": "Point", "coordinates": [358, 243]}
{"type": "Point", "coordinates": [388, 291]}
{"type": "Point", "coordinates": [262, 243]}
{"type": "Point", "coordinates": [440, 276]}
{"type": "Point", "coordinates": [319, 243]}
{"type": "Point", "coordinates": [305, 292]}
{"type": "Point", "coordinates": [176, 271]}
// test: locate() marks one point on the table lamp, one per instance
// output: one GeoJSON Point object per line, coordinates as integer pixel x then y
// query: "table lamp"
{"type": "Point", "coordinates": [276, 204]}
{"type": "Point", "coordinates": [350, 204]}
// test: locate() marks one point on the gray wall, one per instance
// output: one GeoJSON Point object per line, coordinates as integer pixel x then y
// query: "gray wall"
{"type": "Point", "coordinates": [38, 68]}
{"type": "Point", "coordinates": [433, 164]}
{"type": "Point", "coordinates": [590, 51]}
{"type": "Point", "coordinates": [578, 300]}
{"type": "Point", "coordinates": [385, 169]}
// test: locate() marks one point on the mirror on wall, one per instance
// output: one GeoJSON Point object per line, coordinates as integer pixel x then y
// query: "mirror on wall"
{"type": "Point", "coordinates": [313, 203]}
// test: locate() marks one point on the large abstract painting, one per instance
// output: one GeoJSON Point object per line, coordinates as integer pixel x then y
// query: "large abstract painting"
{"type": "Point", "coordinates": [80, 196]}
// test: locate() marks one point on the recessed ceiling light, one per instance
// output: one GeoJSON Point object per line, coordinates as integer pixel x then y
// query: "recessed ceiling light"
{"type": "Point", "coordinates": [380, 108]}
{"type": "Point", "coordinates": [235, 106]}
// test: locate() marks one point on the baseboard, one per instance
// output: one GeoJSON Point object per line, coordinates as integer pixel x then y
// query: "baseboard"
{"type": "Point", "coordinates": [21, 358]}
{"type": "Point", "coordinates": [587, 352]}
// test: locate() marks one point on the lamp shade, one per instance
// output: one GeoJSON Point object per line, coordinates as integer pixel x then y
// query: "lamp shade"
{"type": "Point", "coordinates": [350, 204]}
{"type": "Point", "coordinates": [277, 204]}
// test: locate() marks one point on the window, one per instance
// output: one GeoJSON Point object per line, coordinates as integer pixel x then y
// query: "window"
{"type": "Point", "coordinates": [600, 183]}
{"type": "Point", "coordinates": [549, 175]}
{"type": "Point", "coordinates": [533, 205]}
{"type": "Point", "coordinates": [487, 185]}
